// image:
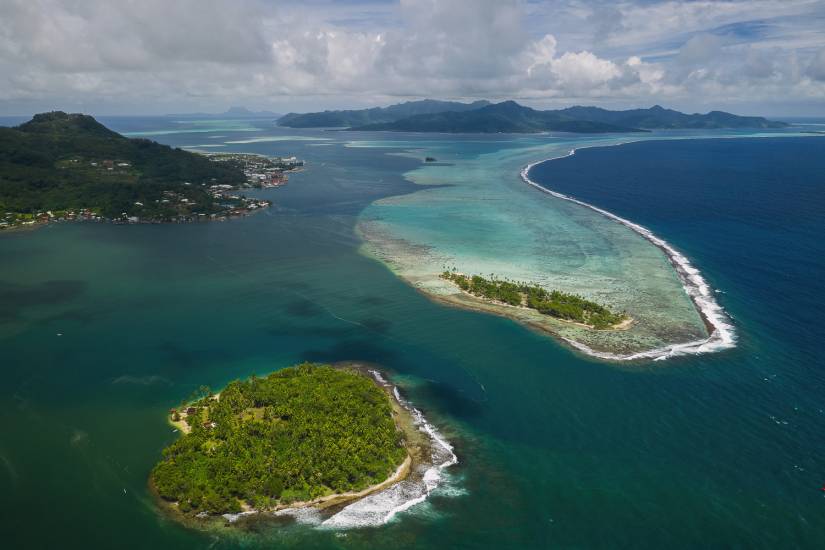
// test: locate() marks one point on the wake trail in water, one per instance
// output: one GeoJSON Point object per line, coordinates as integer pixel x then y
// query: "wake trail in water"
{"type": "Point", "coordinates": [722, 334]}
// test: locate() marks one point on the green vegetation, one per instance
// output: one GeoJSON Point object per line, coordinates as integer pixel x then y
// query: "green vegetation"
{"type": "Point", "coordinates": [554, 303]}
{"type": "Point", "coordinates": [375, 115]}
{"type": "Point", "coordinates": [504, 117]}
{"type": "Point", "coordinates": [659, 117]}
{"type": "Point", "coordinates": [510, 117]}
{"type": "Point", "coordinates": [298, 434]}
{"type": "Point", "coordinates": [61, 162]}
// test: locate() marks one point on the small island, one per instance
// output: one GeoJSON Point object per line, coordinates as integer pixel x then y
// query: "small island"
{"type": "Point", "coordinates": [560, 305]}
{"type": "Point", "coordinates": [308, 435]}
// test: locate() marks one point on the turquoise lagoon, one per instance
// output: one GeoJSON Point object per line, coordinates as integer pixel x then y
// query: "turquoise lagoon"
{"type": "Point", "coordinates": [103, 328]}
{"type": "Point", "coordinates": [475, 213]}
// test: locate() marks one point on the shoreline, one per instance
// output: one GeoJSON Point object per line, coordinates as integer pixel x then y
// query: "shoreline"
{"type": "Point", "coordinates": [721, 333]}
{"type": "Point", "coordinates": [419, 444]}
{"type": "Point", "coordinates": [525, 316]}
{"type": "Point", "coordinates": [20, 228]}
{"type": "Point", "coordinates": [484, 304]}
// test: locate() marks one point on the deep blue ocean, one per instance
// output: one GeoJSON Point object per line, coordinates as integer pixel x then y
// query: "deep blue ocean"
{"type": "Point", "coordinates": [103, 328]}
{"type": "Point", "coordinates": [750, 213]}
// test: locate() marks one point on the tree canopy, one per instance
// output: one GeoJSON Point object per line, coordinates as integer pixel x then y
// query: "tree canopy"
{"type": "Point", "coordinates": [554, 303]}
{"type": "Point", "coordinates": [60, 161]}
{"type": "Point", "coordinates": [297, 434]}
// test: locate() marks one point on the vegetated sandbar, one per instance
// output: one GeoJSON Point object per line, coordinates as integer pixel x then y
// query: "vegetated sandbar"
{"type": "Point", "coordinates": [569, 308]}
{"type": "Point", "coordinates": [195, 482]}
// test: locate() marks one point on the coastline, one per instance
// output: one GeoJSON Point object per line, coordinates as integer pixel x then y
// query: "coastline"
{"type": "Point", "coordinates": [721, 334]}
{"type": "Point", "coordinates": [602, 344]}
{"type": "Point", "coordinates": [528, 317]}
{"type": "Point", "coordinates": [21, 228]}
{"type": "Point", "coordinates": [418, 441]}
{"type": "Point", "coordinates": [468, 300]}
{"type": "Point", "coordinates": [675, 308]}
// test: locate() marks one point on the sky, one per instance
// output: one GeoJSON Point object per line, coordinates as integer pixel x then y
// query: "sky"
{"type": "Point", "coordinates": [142, 57]}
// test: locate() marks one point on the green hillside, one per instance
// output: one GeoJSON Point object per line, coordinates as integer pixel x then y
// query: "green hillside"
{"type": "Point", "coordinates": [360, 117]}
{"type": "Point", "coordinates": [60, 161]}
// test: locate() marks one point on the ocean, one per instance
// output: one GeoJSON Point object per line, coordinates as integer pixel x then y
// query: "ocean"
{"type": "Point", "coordinates": [103, 328]}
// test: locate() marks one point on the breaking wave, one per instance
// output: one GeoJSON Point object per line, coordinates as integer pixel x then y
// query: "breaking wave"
{"type": "Point", "coordinates": [380, 507]}
{"type": "Point", "coordinates": [722, 334]}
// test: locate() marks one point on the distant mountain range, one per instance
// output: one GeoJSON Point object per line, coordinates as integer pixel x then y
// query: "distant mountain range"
{"type": "Point", "coordinates": [510, 117]}
{"type": "Point", "coordinates": [232, 112]}
{"type": "Point", "coordinates": [658, 117]}
{"type": "Point", "coordinates": [505, 117]}
{"type": "Point", "coordinates": [376, 115]}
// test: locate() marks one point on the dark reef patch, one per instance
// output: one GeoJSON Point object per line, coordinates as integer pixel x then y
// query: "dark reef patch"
{"type": "Point", "coordinates": [303, 308]}
{"type": "Point", "coordinates": [187, 358]}
{"type": "Point", "coordinates": [15, 299]}
{"type": "Point", "coordinates": [376, 324]}
{"type": "Point", "coordinates": [362, 349]}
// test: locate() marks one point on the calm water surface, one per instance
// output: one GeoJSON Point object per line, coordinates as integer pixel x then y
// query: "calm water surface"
{"type": "Point", "coordinates": [103, 328]}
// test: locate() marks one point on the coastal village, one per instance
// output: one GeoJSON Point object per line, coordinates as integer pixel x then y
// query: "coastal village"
{"type": "Point", "coordinates": [261, 172]}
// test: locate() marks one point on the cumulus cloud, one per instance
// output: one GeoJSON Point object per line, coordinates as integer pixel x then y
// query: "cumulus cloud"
{"type": "Point", "coordinates": [816, 69]}
{"type": "Point", "coordinates": [574, 72]}
{"type": "Point", "coordinates": [700, 49]}
{"type": "Point", "coordinates": [211, 53]}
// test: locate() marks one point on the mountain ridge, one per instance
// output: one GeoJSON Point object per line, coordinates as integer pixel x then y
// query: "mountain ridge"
{"type": "Point", "coordinates": [511, 117]}
{"type": "Point", "coordinates": [375, 115]}
{"type": "Point", "coordinates": [504, 117]}
{"type": "Point", "coordinates": [658, 117]}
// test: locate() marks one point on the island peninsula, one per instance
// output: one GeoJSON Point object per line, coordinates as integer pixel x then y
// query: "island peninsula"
{"type": "Point", "coordinates": [67, 167]}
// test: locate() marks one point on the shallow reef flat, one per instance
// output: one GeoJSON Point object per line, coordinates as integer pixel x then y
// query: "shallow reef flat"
{"type": "Point", "coordinates": [474, 213]}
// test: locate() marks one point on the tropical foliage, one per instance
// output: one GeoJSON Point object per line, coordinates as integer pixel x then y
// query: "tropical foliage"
{"type": "Point", "coordinates": [554, 303]}
{"type": "Point", "coordinates": [60, 161]}
{"type": "Point", "coordinates": [297, 434]}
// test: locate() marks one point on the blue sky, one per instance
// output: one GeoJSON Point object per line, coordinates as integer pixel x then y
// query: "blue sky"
{"type": "Point", "coordinates": [156, 56]}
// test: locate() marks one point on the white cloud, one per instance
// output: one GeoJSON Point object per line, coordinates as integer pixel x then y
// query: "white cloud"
{"type": "Point", "coordinates": [700, 49]}
{"type": "Point", "coordinates": [211, 53]}
{"type": "Point", "coordinates": [816, 69]}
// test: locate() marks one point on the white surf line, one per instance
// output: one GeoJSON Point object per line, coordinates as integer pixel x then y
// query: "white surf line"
{"type": "Point", "coordinates": [381, 507]}
{"type": "Point", "coordinates": [723, 335]}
